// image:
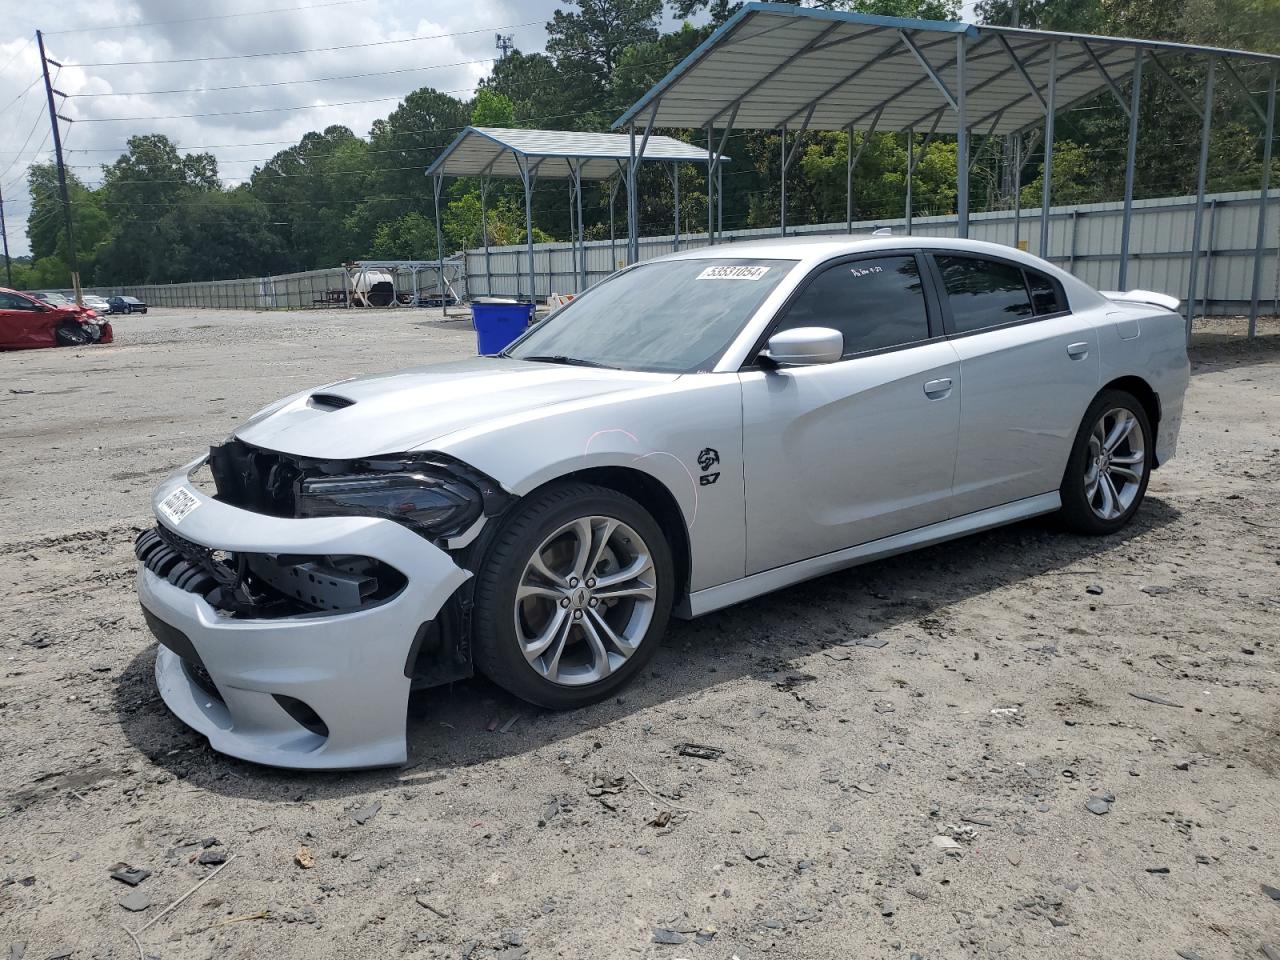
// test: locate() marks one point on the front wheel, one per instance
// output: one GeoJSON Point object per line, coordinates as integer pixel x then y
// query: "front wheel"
{"type": "Point", "coordinates": [1110, 464]}
{"type": "Point", "coordinates": [72, 335]}
{"type": "Point", "coordinates": [573, 597]}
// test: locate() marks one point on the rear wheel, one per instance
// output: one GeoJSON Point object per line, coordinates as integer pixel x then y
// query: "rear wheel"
{"type": "Point", "coordinates": [1110, 465]}
{"type": "Point", "coordinates": [573, 597]}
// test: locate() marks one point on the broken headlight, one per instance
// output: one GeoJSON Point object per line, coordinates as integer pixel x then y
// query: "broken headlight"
{"type": "Point", "coordinates": [429, 503]}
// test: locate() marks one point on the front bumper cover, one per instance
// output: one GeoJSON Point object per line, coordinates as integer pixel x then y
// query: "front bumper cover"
{"type": "Point", "coordinates": [349, 668]}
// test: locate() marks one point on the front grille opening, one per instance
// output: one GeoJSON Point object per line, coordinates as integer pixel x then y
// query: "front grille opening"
{"type": "Point", "coordinates": [263, 586]}
{"type": "Point", "coordinates": [302, 714]}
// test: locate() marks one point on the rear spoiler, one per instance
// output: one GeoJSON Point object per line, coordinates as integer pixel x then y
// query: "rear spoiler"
{"type": "Point", "coordinates": [1143, 296]}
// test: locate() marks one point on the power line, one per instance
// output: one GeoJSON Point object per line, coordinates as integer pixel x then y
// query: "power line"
{"type": "Point", "coordinates": [239, 113]}
{"type": "Point", "coordinates": [38, 151]}
{"type": "Point", "coordinates": [22, 95]}
{"type": "Point", "coordinates": [14, 59]}
{"type": "Point", "coordinates": [290, 53]}
{"type": "Point", "coordinates": [276, 83]}
{"type": "Point", "coordinates": [14, 161]}
{"type": "Point", "coordinates": [222, 16]}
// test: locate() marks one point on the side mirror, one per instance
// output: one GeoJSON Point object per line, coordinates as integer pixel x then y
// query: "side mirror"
{"type": "Point", "coordinates": [804, 346]}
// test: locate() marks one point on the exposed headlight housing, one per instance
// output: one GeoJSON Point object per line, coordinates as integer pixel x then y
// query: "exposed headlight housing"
{"type": "Point", "coordinates": [434, 495]}
{"type": "Point", "coordinates": [428, 503]}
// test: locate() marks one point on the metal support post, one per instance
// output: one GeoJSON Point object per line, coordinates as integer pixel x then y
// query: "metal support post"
{"type": "Point", "coordinates": [444, 309]}
{"type": "Point", "coordinates": [582, 239]}
{"type": "Point", "coordinates": [853, 162]}
{"type": "Point", "coordinates": [1046, 191]}
{"type": "Point", "coordinates": [782, 205]}
{"type": "Point", "coordinates": [911, 169]}
{"type": "Point", "coordinates": [962, 141]}
{"type": "Point", "coordinates": [484, 236]}
{"type": "Point", "coordinates": [1206, 124]}
{"type": "Point", "coordinates": [675, 199]}
{"type": "Point", "coordinates": [1268, 135]}
{"type": "Point", "coordinates": [1135, 95]}
{"type": "Point", "coordinates": [526, 177]}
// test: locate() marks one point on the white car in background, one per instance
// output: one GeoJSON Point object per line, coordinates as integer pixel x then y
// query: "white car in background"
{"type": "Point", "coordinates": [692, 432]}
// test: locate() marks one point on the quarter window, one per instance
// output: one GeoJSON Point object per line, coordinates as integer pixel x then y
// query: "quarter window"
{"type": "Point", "coordinates": [876, 303]}
{"type": "Point", "coordinates": [1046, 296]}
{"type": "Point", "coordinates": [983, 293]}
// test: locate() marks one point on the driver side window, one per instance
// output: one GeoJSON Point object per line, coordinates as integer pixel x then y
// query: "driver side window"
{"type": "Point", "coordinates": [10, 301]}
{"type": "Point", "coordinates": [876, 303]}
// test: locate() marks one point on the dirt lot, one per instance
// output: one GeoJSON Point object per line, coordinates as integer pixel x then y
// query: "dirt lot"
{"type": "Point", "coordinates": [993, 694]}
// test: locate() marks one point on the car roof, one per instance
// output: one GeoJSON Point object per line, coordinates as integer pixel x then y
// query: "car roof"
{"type": "Point", "coordinates": [812, 251]}
{"type": "Point", "coordinates": [826, 247]}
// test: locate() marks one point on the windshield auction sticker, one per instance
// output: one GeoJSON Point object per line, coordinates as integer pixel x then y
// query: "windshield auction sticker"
{"type": "Point", "coordinates": [733, 273]}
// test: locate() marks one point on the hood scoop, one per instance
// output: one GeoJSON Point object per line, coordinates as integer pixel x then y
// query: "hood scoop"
{"type": "Point", "coordinates": [328, 401]}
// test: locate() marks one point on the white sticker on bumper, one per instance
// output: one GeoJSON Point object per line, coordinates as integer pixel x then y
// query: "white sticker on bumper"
{"type": "Point", "coordinates": [177, 505]}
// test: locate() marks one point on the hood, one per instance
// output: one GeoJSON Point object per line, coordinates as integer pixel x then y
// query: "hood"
{"type": "Point", "coordinates": [410, 409]}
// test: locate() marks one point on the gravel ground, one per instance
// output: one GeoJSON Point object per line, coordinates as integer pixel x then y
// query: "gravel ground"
{"type": "Point", "coordinates": [894, 761]}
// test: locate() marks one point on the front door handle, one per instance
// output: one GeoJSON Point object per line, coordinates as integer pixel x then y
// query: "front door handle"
{"type": "Point", "coordinates": [938, 389]}
{"type": "Point", "coordinates": [1078, 351]}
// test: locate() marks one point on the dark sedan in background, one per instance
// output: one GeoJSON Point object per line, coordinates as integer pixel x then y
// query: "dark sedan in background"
{"type": "Point", "coordinates": [127, 305]}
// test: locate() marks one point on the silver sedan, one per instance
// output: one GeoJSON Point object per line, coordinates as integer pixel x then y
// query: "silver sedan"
{"type": "Point", "coordinates": [694, 431]}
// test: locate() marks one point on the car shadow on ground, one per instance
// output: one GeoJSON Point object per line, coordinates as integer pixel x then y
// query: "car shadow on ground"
{"type": "Point", "coordinates": [472, 722]}
{"type": "Point", "coordinates": [1213, 351]}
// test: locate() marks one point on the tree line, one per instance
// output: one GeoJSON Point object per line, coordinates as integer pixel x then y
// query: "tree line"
{"type": "Point", "coordinates": [162, 215]}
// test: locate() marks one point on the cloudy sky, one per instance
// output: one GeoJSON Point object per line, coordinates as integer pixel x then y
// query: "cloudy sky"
{"type": "Point", "coordinates": [447, 45]}
{"type": "Point", "coordinates": [117, 53]}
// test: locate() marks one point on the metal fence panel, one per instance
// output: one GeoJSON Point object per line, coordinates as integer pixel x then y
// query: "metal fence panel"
{"type": "Point", "coordinates": [1084, 239]}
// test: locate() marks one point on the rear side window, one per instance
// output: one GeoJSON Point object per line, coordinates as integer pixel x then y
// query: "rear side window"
{"type": "Point", "coordinates": [1046, 296]}
{"type": "Point", "coordinates": [983, 293]}
{"type": "Point", "coordinates": [875, 303]}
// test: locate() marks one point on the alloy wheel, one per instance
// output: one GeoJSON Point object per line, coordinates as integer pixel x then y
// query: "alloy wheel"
{"type": "Point", "coordinates": [1116, 463]}
{"type": "Point", "coordinates": [585, 600]}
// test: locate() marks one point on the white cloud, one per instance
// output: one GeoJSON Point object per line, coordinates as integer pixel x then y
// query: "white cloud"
{"type": "Point", "coordinates": [452, 63]}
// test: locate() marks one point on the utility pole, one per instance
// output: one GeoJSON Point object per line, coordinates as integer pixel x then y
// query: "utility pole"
{"type": "Point", "coordinates": [62, 168]}
{"type": "Point", "coordinates": [8, 269]}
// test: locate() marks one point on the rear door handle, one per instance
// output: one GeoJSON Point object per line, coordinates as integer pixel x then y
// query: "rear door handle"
{"type": "Point", "coordinates": [938, 389]}
{"type": "Point", "coordinates": [1078, 351]}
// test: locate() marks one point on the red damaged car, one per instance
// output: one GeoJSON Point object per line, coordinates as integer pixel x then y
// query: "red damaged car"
{"type": "Point", "coordinates": [26, 322]}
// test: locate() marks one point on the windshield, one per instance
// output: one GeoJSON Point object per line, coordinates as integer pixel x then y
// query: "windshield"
{"type": "Point", "coordinates": [669, 316]}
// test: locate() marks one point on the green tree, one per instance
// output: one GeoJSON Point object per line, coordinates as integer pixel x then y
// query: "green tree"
{"type": "Point", "coordinates": [492, 109]}
{"type": "Point", "coordinates": [595, 35]}
{"type": "Point", "coordinates": [311, 191]}
{"type": "Point", "coordinates": [46, 226]}
{"type": "Point", "coordinates": [148, 181]}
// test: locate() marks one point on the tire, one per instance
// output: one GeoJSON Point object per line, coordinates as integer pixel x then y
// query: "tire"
{"type": "Point", "coordinates": [1102, 490]}
{"type": "Point", "coordinates": [73, 335]}
{"type": "Point", "coordinates": [587, 665]}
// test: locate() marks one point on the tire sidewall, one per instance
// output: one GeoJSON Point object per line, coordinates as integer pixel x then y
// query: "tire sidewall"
{"type": "Point", "coordinates": [1076, 510]}
{"type": "Point", "coordinates": [496, 646]}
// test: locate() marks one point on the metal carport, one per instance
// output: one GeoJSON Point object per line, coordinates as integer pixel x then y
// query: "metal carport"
{"type": "Point", "coordinates": [774, 66]}
{"type": "Point", "coordinates": [487, 152]}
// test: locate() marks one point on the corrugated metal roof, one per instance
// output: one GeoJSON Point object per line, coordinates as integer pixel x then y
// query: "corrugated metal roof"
{"type": "Point", "coordinates": [777, 62]}
{"type": "Point", "coordinates": [493, 150]}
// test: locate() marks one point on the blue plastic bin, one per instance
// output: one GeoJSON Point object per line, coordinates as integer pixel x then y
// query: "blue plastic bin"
{"type": "Point", "coordinates": [497, 324]}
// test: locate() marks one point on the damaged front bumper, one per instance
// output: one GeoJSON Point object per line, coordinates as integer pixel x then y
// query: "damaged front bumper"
{"type": "Point", "coordinates": [321, 690]}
